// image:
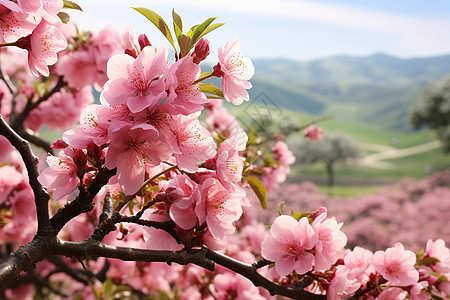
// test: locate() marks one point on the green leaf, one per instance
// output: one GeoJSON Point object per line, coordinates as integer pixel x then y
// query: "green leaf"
{"type": "Point", "coordinates": [71, 5]}
{"type": "Point", "coordinates": [280, 208]}
{"type": "Point", "coordinates": [428, 261]}
{"type": "Point", "coordinates": [434, 297]}
{"type": "Point", "coordinates": [441, 278]}
{"type": "Point", "coordinates": [210, 91]}
{"type": "Point", "coordinates": [107, 287]}
{"type": "Point", "coordinates": [65, 18]}
{"type": "Point", "coordinates": [200, 28]}
{"type": "Point", "coordinates": [298, 216]}
{"type": "Point", "coordinates": [257, 172]}
{"type": "Point", "coordinates": [158, 22]}
{"type": "Point", "coordinates": [209, 29]}
{"type": "Point", "coordinates": [259, 189]}
{"type": "Point", "coordinates": [177, 23]}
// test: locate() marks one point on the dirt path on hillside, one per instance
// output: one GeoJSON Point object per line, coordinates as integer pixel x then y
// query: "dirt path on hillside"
{"type": "Point", "coordinates": [376, 160]}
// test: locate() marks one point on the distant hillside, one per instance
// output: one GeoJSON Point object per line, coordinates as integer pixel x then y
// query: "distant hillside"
{"type": "Point", "coordinates": [378, 89]}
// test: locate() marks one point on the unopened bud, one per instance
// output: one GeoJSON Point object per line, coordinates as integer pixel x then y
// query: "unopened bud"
{"type": "Point", "coordinates": [59, 144]}
{"type": "Point", "coordinates": [201, 50]}
{"type": "Point", "coordinates": [80, 160]}
{"type": "Point", "coordinates": [143, 41]}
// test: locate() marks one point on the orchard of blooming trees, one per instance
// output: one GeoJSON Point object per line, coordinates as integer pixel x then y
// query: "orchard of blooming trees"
{"type": "Point", "coordinates": [139, 199]}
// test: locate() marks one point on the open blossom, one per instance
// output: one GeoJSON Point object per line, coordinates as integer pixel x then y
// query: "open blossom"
{"type": "Point", "coordinates": [192, 143]}
{"type": "Point", "coordinates": [396, 265]}
{"type": "Point", "coordinates": [133, 146]}
{"type": "Point", "coordinates": [342, 285]}
{"type": "Point", "coordinates": [61, 174]}
{"type": "Point", "coordinates": [45, 42]}
{"type": "Point", "coordinates": [236, 70]}
{"type": "Point", "coordinates": [289, 245]}
{"type": "Point", "coordinates": [359, 261]}
{"type": "Point", "coordinates": [229, 165]}
{"type": "Point", "coordinates": [332, 240]}
{"type": "Point", "coordinates": [184, 96]}
{"type": "Point", "coordinates": [138, 83]}
{"type": "Point", "coordinates": [218, 208]}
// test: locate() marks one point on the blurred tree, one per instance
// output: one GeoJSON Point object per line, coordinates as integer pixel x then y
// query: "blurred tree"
{"type": "Point", "coordinates": [335, 147]}
{"type": "Point", "coordinates": [432, 109]}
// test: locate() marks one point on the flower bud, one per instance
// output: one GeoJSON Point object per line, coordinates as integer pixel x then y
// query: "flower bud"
{"type": "Point", "coordinates": [59, 144]}
{"type": "Point", "coordinates": [143, 41]}
{"type": "Point", "coordinates": [201, 50]}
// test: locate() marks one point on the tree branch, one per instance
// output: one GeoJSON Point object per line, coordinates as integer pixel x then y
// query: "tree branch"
{"type": "Point", "coordinates": [41, 196]}
{"type": "Point", "coordinates": [92, 248]}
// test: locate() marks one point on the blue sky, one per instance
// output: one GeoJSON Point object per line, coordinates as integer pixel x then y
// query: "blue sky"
{"type": "Point", "coordinates": [295, 29]}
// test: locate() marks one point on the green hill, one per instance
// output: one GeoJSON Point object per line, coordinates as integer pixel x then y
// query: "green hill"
{"type": "Point", "coordinates": [377, 90]}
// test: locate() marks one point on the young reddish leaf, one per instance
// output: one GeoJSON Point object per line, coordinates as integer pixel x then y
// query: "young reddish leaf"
{"type": "Point", "coordinates": [158, 21]}
{"type": "Point", "coordinates": [183, 42]}
{"type": "Point", "coordinates": [259, 189]}
{"type": "Point", "coordinates": [71, 5]}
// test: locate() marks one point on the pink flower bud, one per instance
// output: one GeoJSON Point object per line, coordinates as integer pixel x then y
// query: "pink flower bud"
{"type": "Point", "coordinates": [143, 41]}
{"type": "Point", "coordinates": [201, 50]}
{"type": "Point", "coordinates": [59, 144]}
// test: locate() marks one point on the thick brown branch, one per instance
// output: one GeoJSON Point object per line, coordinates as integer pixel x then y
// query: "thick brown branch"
{"type": "Point", "coordinates": [24, 258]}
{"type": "Point", "coordinates": [250, 272]}
{"type": "Point", "coordinates": [90, 248]}
{"type": "Point", "coordinates": [41, 197]}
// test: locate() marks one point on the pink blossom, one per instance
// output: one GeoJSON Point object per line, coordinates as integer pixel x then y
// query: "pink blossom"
{"type": "Point", "coordinates": [192, 143]}
{"type": "Point", "coordinates": [342, 285]}
{"type": "Point", "coordinates": [236, 71]}
{"type": "Point", "coordinates": [438, 250]}
{"type": "Point", "coordinates": [15, 24]}
{"type": "Point", "coordinates": [184, 194]}
{"type": "Point", "coordinates": [330, 246]}
{"type": "Point", "coordinates": [184, 96]}
{"type": "Point", "coordinates": [138, 83]}
{"type": "Point", "coordinates": [78, 68]}
{"type": "Point", "coordinates": [359, 261]}
{"type": "Point", "coordinates": [219, 118]}
{"type": "Point", "coordinates": [91, 128]}
{"type": "Point", "coordinates": [45, 42]}
{"type": "Point", "coordinates": [229, 165]}
{"type": "Point", "coordinates": [417, 291]}
{"type": "Point", "coordinates": [61, 174]}
{"type": "Point", "coordinates": [313, 133]}
{"type": "Point", "coordinates": [133, 146]}
{"type": "Point", "coordinates": [218, 208]}
{"type": "Point", "coordinates": [289, 245]}
{"type": "Point", "coordinates": [61, 110]}
{"type": "Point", "coordinates": [396, 265]}
{"type": "Point", "coordinates": [104, 46]}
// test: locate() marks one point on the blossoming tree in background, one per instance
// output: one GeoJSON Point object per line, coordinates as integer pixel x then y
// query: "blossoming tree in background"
{"type": "Point", "coordinates": [141, 199]}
